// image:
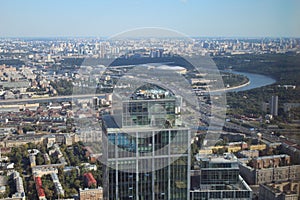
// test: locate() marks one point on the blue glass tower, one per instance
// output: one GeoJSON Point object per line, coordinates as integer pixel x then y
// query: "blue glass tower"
{"type": "Point", "coordinates": [147, 153]}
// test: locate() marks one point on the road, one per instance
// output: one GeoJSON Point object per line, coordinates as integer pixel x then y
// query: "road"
{"type": "Point", "coordinates": [15, 101]}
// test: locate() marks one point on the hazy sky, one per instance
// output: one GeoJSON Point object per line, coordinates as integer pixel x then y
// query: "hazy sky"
{"type": "Point", "coordinates": [107, 17]}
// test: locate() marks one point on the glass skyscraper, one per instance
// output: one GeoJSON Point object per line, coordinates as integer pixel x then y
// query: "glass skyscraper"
{"type": "Point", "coordinates": [147, 153]}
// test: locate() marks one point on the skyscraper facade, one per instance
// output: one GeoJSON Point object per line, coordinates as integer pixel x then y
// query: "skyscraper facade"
{"type": "Point", "coordinates": [147, 153]}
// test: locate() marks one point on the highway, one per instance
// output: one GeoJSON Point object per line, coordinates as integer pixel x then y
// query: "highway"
{"type": "Point", "coordinates": [44, 99]}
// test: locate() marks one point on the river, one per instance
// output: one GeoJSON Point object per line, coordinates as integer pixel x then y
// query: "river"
{"type": "Point", "coordinates": [256, 81]}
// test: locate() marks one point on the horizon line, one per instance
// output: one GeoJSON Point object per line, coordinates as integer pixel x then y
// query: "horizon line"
{"type": "Point", "coordinates": [106, 37]}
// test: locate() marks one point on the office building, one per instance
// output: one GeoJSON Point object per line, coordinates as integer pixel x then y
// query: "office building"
{"type": "Point", "coordinates": [146, 148]}
{"type": "Point", "coordinates": [218, 178]}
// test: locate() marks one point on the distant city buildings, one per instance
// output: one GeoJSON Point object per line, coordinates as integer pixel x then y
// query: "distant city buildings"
{"type": "Point", "coordinates": [288, 106]}
{"type": "Point", "coordinates": [76, 47]}
{"type": "Point", "coordinates": [149, 121]}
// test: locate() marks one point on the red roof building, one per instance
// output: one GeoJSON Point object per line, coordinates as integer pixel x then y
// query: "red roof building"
{"type": "Point", "coordinates": [39, 188]}
{"type": "Point", "coordinates": [89, 180]}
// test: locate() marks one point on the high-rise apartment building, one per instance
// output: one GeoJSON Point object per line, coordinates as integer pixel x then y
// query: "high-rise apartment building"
{"type": "Point", "coordinates": [146, 148]}
{"type": "Point", "coordinates": [274, 106]}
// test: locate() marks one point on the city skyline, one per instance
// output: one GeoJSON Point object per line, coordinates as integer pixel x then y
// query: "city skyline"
{"type": "Point", "coordinates": [150, 99]}
{"type": "Point", "coordinates": [195, 18]}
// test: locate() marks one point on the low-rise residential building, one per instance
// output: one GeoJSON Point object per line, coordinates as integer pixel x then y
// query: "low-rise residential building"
{"type": "Point", "coordinates": [267, 169]}
{"type": "Point", "coordinates": [288, 190]}
{"type": "Point", "coordinates": [89, 167]}
{"type": "Point", "coordinates": [89, 180]}
{"type": "Point", "coordinates": [91, 194]}
{"type": "Point", "coordinates": [47, 158]}
{"type": "Point", "coordinates": [259, 147]}
{"type": "Point", "coordinates": [42, 170]}
{"type": "Point", "coordinates": [292, 149]}
{"type": "Point", "coordinates": [249, 153]}
{"type": "Point", "coordinates": [20, 192]}
{"type": "Point", "coordinates": [58, 187]}
{"type": "Point", "coordinates": [18, 140]}
{"type": "Point", "coordinates": [39, 188]}
{"type": "Point", "coordinates": [270, 161]}
{"type": "Point", "coordinates": [32, 160]}
{"type": "Point", "coordinates": [49, 141]}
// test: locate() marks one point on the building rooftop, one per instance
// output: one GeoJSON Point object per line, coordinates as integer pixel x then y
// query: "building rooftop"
{"type": "Point", "coordinates": [227, 157]}
{"type": "Point", "coordinates": [272, 157]}
{"type": "Point", "coordinates": [240, 185]}
{"type": "Point", "coordinates": [109, 121]}
{"type": "Point", "coordinates": [285, 187]}
{"type": "Point", "coordinates": [150, 91]}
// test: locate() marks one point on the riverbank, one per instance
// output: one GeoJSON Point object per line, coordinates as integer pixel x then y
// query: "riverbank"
{"type": "Point", "coordinates": [228, 89]}
{"type": "Point", "coordinates": [254, 81]}
{"type": "Point", "coordinates": [238, 86]}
